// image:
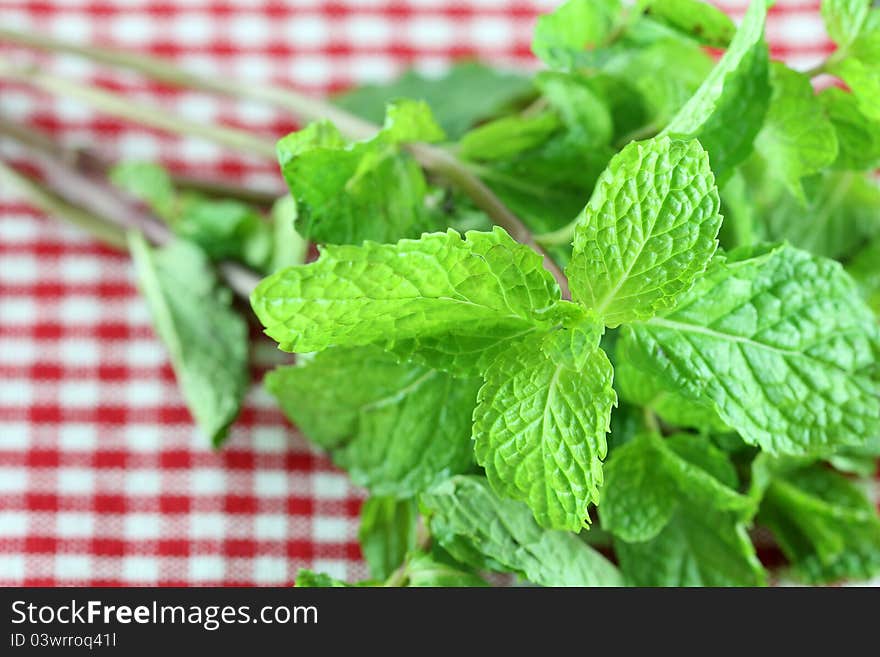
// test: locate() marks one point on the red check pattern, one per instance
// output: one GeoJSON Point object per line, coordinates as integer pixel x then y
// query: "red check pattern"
{"type": "Point", "coordinates": [103, 479]}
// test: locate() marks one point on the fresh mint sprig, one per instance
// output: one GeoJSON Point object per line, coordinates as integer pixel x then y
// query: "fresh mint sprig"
{"type": "Point", "coordinates": [707, 361]}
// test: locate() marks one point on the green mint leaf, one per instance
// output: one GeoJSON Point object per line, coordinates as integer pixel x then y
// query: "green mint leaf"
{"type": "Point", "coordinates": [665, 73]}
{"type": "Point", "coordinates": [443, 295]}
{"type": "Point", "coordinates": [577, 25]}
{"type": "Point", "coordinates": [410, 120]}
{"type": "Point", "coordinates": [702, 21]}
{"type": "Point", "coordinates": [226, 230]}
{"type": "Point", "coordinates": [638, 501]}
{"type": "Point", "coordinates": [740, 221]}
{"type": "Point", "coordinates": [779, 342]}
{"type": "Point", "coordinates": [425, 570]}
{"type": "Point", "coordinates": [310, 579]}
{"type": "Point", "coordinates": [288, 248]}
{"type": "Point", "coordinates": [578, 104]}
{"type": "Point", "coordinates": [842, 211]}
{"type": "Point", "coordinates": [824, 524]}
{"type": "Point", "coordinates": [398, 428]}
{"type": "Point", "coordinates": [573, 346]}
{"type": "Point", "coordinates": [546, 186]}
{"type": "Point", "coordinates": [866, 46]}
{"type": "Point", "coordinates": [638, 387]}
{"type": "Point", "coordinates": [488, 532]}
{"type": "Point", "coordinates": [369, 190]}
{"type": "Point", "coordinates": [698, 547]}
{"type": "Point", "coordinates": [728, 109]}
{"type": "Point", "coordinates": [539, 429]}
{"type": "Point", "coordinates": [466, 94]}
{"type": "Point", "coordinates": [507, 136]}
{"type": "Point", "coordinates": [649, 479]}
{"type": "Point", "coordinates": [858, 137]}
{"type": "Point", "coordinates": [863, 78]}
{"type": "Point", "coordinates": [677, 518]}
{"type": "Point", "coordinates": [865, 269]}
{"type": "Point", "coordinates": [797, 139]}
{"type": "Point", "coordinates": [647, 232]}
{"type": "Point", "coordinates": [206, 339]}
{"type": "Point", "coordinates": [844, 19]}
{"type": "Point", "coordinates": [148, 182]}
{"type": "Point", "coordinates": [387, 533]}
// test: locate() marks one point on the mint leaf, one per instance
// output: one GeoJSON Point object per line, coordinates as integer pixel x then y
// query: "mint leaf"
{"type": "Point", "coordinates": [398, 428]}
{"type": "Point", "coordinates": [452, 299]}
{"type": "Point", "coordinates": [865, 269]}
{"type": "Point", "coordinates": [728, 109]}
{"type": "Point", "coordinates": [487, 532]}
{"type": "Point", "coordinates": [369, 190]}
{"type": "Point", "coordinates": [206, 339]}
{"type": "Point", "coordinates": [546, 186]}
{"type": "Point", "coordinates": [387, 533]}
{"type": "Point", "coordinates": [797, 139]}
{"type": "Point", "coordinates": [779, 342]}
{"type": "Point", "coordinates": [288, 248]}
{"type": "Point", "coordinates": [580, 107]}
{"type": "Point", "coordinates": [424, 570]}
{"type": "Point", "coordinates": [507, 136]}
{"type": "Point", "coordinates": [539, 429]}
{"type": "Point", "coordinates": [844, 19]}
{"type": "Point", "coordinates": [225, 229]}
{"type": "Point", "coordinates": [702, 21]}
{"type": "Point", "coordinates": [639, 387]}
{"type": "Point", "coordinates": [676, 516]}
{"type": "Point", "coordinates": [649, 479]}
{"type": "Point", "coordinates": [637, 501]}
{"type": "Point", "coordinates": [858, 137]}
{"type": "Point", "coordinates": [148, 182]}
{"type": "Point", "coordinates": [863, 78]}
{"type": "Point", "coordinates": [665, 73]}
{"type": "Point", "coordinates": [466, 94]}
{"type": "Point", "coordinates": [310, 579]}
{"type": "Point", "coordinates": [575, 26]}
{"type": "Point", "coordinates": [824, 524]}
{"type": "Point", "coordinates": [647, 232]}
{"type": "Point", "coordinates": [842, 211]}
{"type": "Point", "coordinates": [697, 548]}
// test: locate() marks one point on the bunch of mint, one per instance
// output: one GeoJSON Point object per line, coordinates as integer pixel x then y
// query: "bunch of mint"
{"type": "Point", "coordinates": [596, 327]}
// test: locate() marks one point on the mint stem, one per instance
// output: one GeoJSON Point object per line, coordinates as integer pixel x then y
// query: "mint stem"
{"type": "Point", "coordinates": [118, 106]}
{"type": "Point", "coordinates": [303, 107]}
{"type": "Point", "coordinates": [104, 211]}
{"type": "Point", "coordinates": [51, 204]}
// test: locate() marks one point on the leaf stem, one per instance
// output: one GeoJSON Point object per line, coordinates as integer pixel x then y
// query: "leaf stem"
{"type": "Point", "coordinates": [823, 67]}
{"type": "Point", "coordinates": [304, 107]}
{"type": "Point", "coordinates": [423, 542]}
{"type": "Point", "coordinates": [88, 162]}
{"type": "Point", "coordinates": [106, 212]}
{"type": "Point", "coordinates": [118, 106]}
{"type": "Point", "coordinates": [51, 204]}
{"type": "Point", "coordinates": [300, 105]}
{"type": "Point", "coordinates": [651, 421]}
{"type": "Point", "coordinates": [559, 237]}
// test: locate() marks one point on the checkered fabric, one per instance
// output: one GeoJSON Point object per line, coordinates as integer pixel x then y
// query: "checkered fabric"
{"type": "Point", "coordinates": [103, 479]}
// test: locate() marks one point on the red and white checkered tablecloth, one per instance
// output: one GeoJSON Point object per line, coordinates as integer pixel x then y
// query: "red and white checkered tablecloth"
{"type": "Point", "coordinates": [103, 479]}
